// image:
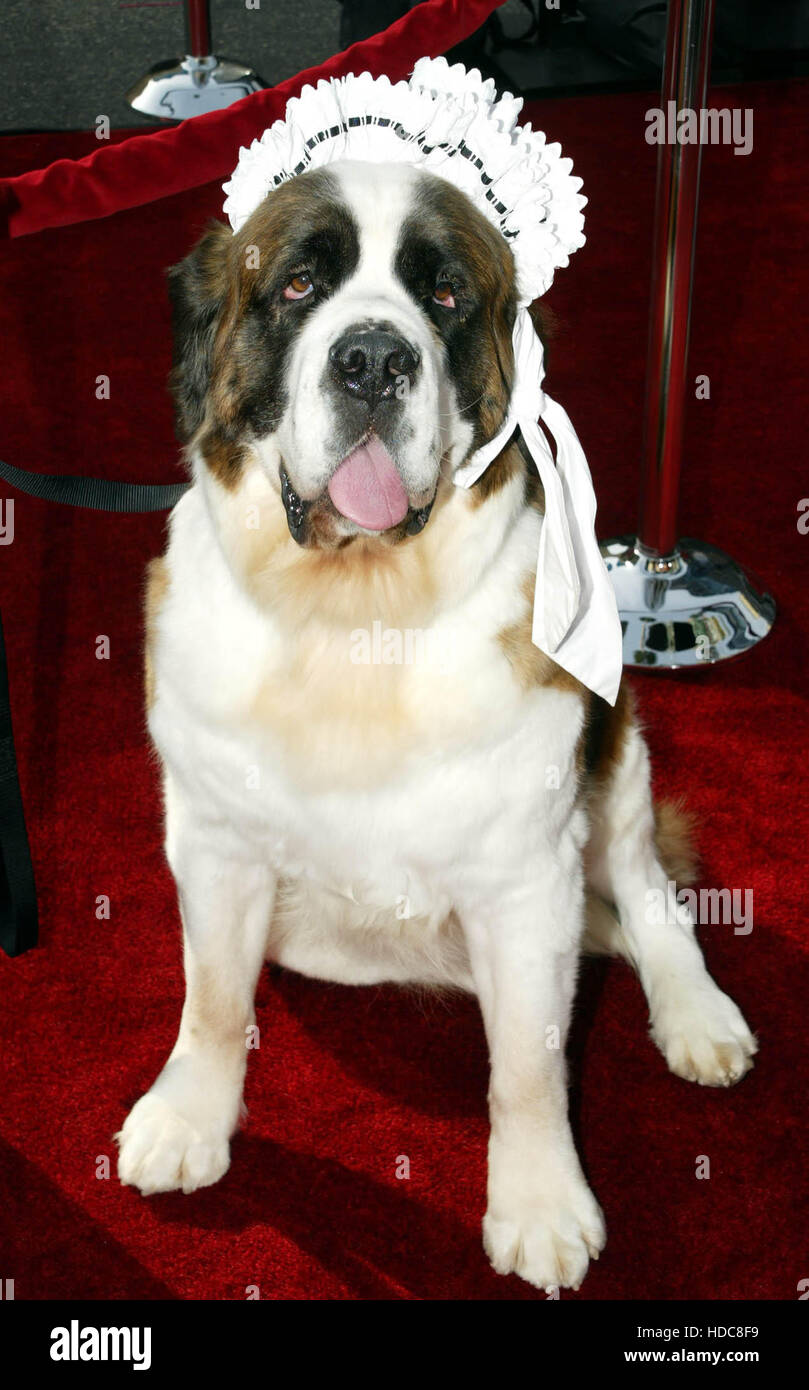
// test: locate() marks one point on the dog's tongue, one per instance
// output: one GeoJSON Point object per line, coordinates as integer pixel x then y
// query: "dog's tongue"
{"type": "Point", "coordinates": [367, 489]}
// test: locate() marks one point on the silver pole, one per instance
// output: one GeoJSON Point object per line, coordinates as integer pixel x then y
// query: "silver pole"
{"type": "Point", "coordinates": [682, 603]}
{"type": "Point", "coordinates": [199, 82]}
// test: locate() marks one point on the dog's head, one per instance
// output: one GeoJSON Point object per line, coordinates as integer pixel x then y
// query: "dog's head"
{"type": "Point", "coordinates": [354, 337]}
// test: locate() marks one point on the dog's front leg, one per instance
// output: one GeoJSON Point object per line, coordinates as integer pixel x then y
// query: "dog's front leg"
{"type": "Point", "coordinates": [178, 1133]}
{"type": "Point", "coordinates": [542, 1221]}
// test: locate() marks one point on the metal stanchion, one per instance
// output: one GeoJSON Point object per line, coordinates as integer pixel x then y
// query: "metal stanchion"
{"type": "Point", "coordinates": [183, 87]}
{"type": "Point", "coordinates": [682, 603]}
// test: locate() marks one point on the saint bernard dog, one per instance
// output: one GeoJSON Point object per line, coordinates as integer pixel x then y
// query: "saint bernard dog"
{"type": "Point", "coordinates": [342, 798]}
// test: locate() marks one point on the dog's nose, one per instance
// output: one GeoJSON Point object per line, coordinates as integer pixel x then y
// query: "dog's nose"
{"type": "Point", "coordinates": [373, 363]}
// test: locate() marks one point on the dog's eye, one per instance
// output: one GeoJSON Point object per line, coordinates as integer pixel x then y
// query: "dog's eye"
{"type": "Point", "coordinates": [299, 286]}
{"type": "Point", "coordinates": [443, 294]}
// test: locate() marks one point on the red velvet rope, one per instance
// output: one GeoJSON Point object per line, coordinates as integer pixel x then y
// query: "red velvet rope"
{"type": "Point", "coordinates": [155, 165]}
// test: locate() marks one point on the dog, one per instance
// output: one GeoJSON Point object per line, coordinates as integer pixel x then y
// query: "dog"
{"type": "Point", "coordinates": [460, 813]}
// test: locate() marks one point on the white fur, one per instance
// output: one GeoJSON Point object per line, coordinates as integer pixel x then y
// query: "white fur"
{"type": "Point", "coordinates": [456, 861]}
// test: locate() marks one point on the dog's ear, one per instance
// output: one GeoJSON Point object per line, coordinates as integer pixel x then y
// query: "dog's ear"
{"type": "Point", "coordinates": [198, 290]}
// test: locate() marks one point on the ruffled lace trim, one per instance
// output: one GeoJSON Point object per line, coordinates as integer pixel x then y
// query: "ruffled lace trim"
{"type": "Point", "coordinates": [445, 120]}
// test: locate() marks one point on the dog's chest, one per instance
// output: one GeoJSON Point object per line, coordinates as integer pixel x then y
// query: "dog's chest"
{"type": "Point", "coordinates": [369, 759]}
{"type": "Point", "coordinates": [369, 776]}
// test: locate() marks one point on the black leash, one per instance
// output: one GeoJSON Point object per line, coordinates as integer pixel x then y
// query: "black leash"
{"type": "Point", "coordinates": [18, 899]}
{"type": "Point", "coordinates": [102, 494]}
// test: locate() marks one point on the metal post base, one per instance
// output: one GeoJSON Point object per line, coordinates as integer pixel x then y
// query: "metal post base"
{"type": "Point", "coordinates": [183, 87]}
{"type": "Point", "coordinates": [692, 608]}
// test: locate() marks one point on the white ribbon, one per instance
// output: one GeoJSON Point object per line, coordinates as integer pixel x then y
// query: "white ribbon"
{"type": "Point", "coordinates": [575, 613]}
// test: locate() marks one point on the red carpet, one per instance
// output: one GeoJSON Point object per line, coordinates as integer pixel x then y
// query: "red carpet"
{"type": "Point", "coordinates": [347, 1080]}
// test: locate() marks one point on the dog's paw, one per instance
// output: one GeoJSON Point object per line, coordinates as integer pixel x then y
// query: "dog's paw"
{"type": "Point", "coordinates": [548, 1241]}
{"type": "Point", "coordinates": [703, 1036]}
{"type": "Point", "coordinates": [160, 1150]}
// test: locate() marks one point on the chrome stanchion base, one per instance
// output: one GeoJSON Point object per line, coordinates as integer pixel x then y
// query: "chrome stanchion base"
{"type": "Point", "coordinates": [692, 608]}
{"type": "Point", "coordinates": [184, 87]}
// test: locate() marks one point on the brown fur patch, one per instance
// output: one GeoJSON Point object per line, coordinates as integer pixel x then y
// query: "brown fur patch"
{"type": "Point", "coordinates": [225, 457]}
{"type": "Point", "coordinates": [157, 586]}
{"type": "Point", "coordinates": [532, 667]}
{"type": "Point", "coordinates": [534, 491]}
{"type": "Point", "coordinates": [616, 721]}
{"type": "Point", "coordinates": [674, 840]}
{"type": "Point", "coordinates": [515, 458]}
{"type": "Point", "coordinates": [501, 471]}
{"type": "Point", "coordinates": [674, 826]}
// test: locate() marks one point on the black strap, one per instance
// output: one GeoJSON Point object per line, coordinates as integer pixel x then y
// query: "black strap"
{"type": "Point", "coordinates": [18, 899]}
{"type": "Point", "coordinates": [102, 494]}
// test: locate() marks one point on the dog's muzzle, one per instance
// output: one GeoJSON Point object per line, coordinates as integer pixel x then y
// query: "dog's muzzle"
{"type": "Point", "coordinates": [371, 368]}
